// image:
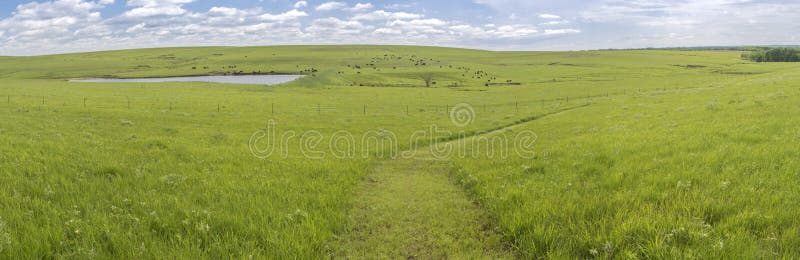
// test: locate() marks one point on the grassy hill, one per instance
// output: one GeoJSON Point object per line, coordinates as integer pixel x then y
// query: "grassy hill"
{"type": "Point", "coordinates": [642, 154]}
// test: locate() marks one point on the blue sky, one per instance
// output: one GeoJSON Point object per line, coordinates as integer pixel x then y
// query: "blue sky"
{"type": "Point", "coordinates": [58, 26]}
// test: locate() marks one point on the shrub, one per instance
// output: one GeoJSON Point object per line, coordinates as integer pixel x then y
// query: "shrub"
{"type": "Point", "coordinates": [773, 55]}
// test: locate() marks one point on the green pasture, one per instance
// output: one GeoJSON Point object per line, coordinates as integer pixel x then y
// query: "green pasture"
{"type": "Point", "coordinates": [641, 154]}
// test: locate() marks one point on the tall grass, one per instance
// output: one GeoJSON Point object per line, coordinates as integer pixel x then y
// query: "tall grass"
{"type": "Point", "coordinates": [647, 171]}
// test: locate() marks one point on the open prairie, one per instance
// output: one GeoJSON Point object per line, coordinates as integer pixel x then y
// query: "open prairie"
{"type": "Point", "coordinates": [400, 152]}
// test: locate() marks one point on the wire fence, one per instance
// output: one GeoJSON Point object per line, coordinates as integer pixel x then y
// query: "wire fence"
{"type": "Point", "coordinates": [27, 103]}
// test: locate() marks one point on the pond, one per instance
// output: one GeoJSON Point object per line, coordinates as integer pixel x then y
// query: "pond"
{"type": "Point", "coordinates": [244, 79]}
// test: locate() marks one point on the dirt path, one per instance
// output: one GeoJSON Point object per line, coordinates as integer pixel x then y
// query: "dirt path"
{"type": "Point", "coordinates": [410, 208]}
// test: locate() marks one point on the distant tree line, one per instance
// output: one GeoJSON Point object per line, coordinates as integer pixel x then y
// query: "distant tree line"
{"type": "Point", "coordinates": [773, 55]}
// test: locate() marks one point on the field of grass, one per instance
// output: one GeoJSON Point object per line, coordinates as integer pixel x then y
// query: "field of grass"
{"type": "Point", "coordinates": [641, 154]}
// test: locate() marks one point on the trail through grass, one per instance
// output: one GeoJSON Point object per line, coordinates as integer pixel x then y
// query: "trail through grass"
{"type": "Point", "coordinates": [409, 208]}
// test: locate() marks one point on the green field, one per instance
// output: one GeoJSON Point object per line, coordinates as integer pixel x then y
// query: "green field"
{"type": "Point", "coordinates": [638, 154]}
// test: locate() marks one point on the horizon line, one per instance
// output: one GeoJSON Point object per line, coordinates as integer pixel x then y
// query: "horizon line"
{"type": "Point", "coordinates": [698, 47]}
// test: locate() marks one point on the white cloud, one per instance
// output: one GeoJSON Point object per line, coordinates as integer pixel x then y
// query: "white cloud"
{"type": "Point", "coordinates": [561, 31]}
{"type": "Point", "coordinates": [418, 22]}
{"type": "Point", "coordinates": [293, 14]}
{"type": "Point", "coordinates": [146, 8]}
{"type": "Point", "coordinates": [388, 31]}
{"type": "Point", "coordinates": [337, 28]}
{"type": "Point", "coordinates": [515, 31]}
{"type": "Point", "coordinates": [645, 23]}
{"type": "Point", "coordinates": [360, 7]}
{"type": "Point", "coordinates": [550, 23]}
{"type": "Point", "coordinates": [77, 25]}
{"type": "Point", "coordinates": [330, 6]}
{"type": "Point", "coordinates": [300, 4]}
{"type": "Point", "coordinates": [669, 21]}
{"type": "Point", "coordinates": [549, 16]}
{"type": "Point", "coordinates": [45, 26]}
{"type": "Point", "coordinates": [225, 11]}
{"type": "Point", "coordinates": [136, 28]}
{"type": "Point", "coordinates": [384, 15]}
{"type": "Point", "coordinates": [53, 21]}
{"type": "Point", "coordinates": [399, 6]}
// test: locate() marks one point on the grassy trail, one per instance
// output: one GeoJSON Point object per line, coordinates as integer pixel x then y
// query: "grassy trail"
{"type": "Point", "coordinates": [409, 208]}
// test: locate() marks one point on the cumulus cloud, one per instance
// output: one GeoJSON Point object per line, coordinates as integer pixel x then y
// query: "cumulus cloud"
{"type": "Point", "coordinates": [549, 16]}
{"type": "Point", "coordinates": [54, 21]}
{"type": "Point", "coordinates": [418, 22]}
{"type": "Point", "coordinates": [335, 28]}
{"type": "Point", "coordinates": [49, 26]}
{"type": "Point", "coordinates": [692, 23]}
{"type": "Point", "coordinates": [560, 31]}
{"type": "Point", "coordinates": [145, 8]}
{"type": "Point", "coordinates": [491, 31]}
{"type": "Point", "coordinates": [300, 4]}
{"type": "Point", "coordinates": [291, 15]}
{"type": "Point", "coordinates": [551, 23]}
{"type": "Point", "coordinates": [78, 25]}
{"type": "Point", "coordinates": [384, 15]}
{"type": "Point", "coordinates": [330, 6]}
{"type": "Point", "coordinates": [359, 7]}
{"type": "Point", "coordinates": [390, 31]}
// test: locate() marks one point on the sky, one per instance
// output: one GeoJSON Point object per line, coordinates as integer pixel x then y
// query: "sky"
{"type": "Point", "coordinates": [61, 26]}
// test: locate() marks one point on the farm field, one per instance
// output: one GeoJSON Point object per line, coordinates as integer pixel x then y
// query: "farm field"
{"type": "Point", "coordinates": [637, 154]}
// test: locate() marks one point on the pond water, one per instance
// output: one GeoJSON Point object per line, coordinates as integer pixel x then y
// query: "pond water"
{"type": "Point", "coordinates": [243, 79]}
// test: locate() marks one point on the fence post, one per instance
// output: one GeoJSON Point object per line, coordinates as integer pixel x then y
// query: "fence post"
{"type": "Point", "coordinates": [129, 102]}
{"type": "Point", "coordinates": [406, 109]}
{"type": "Point", "coordinates": [365, 109]}
{"type": "Point", "coordinates": [273, 109]}
{"type": "Point", "coordinates": [84, 102]}
{"type": "Point", "coordinates": [170, 106]}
